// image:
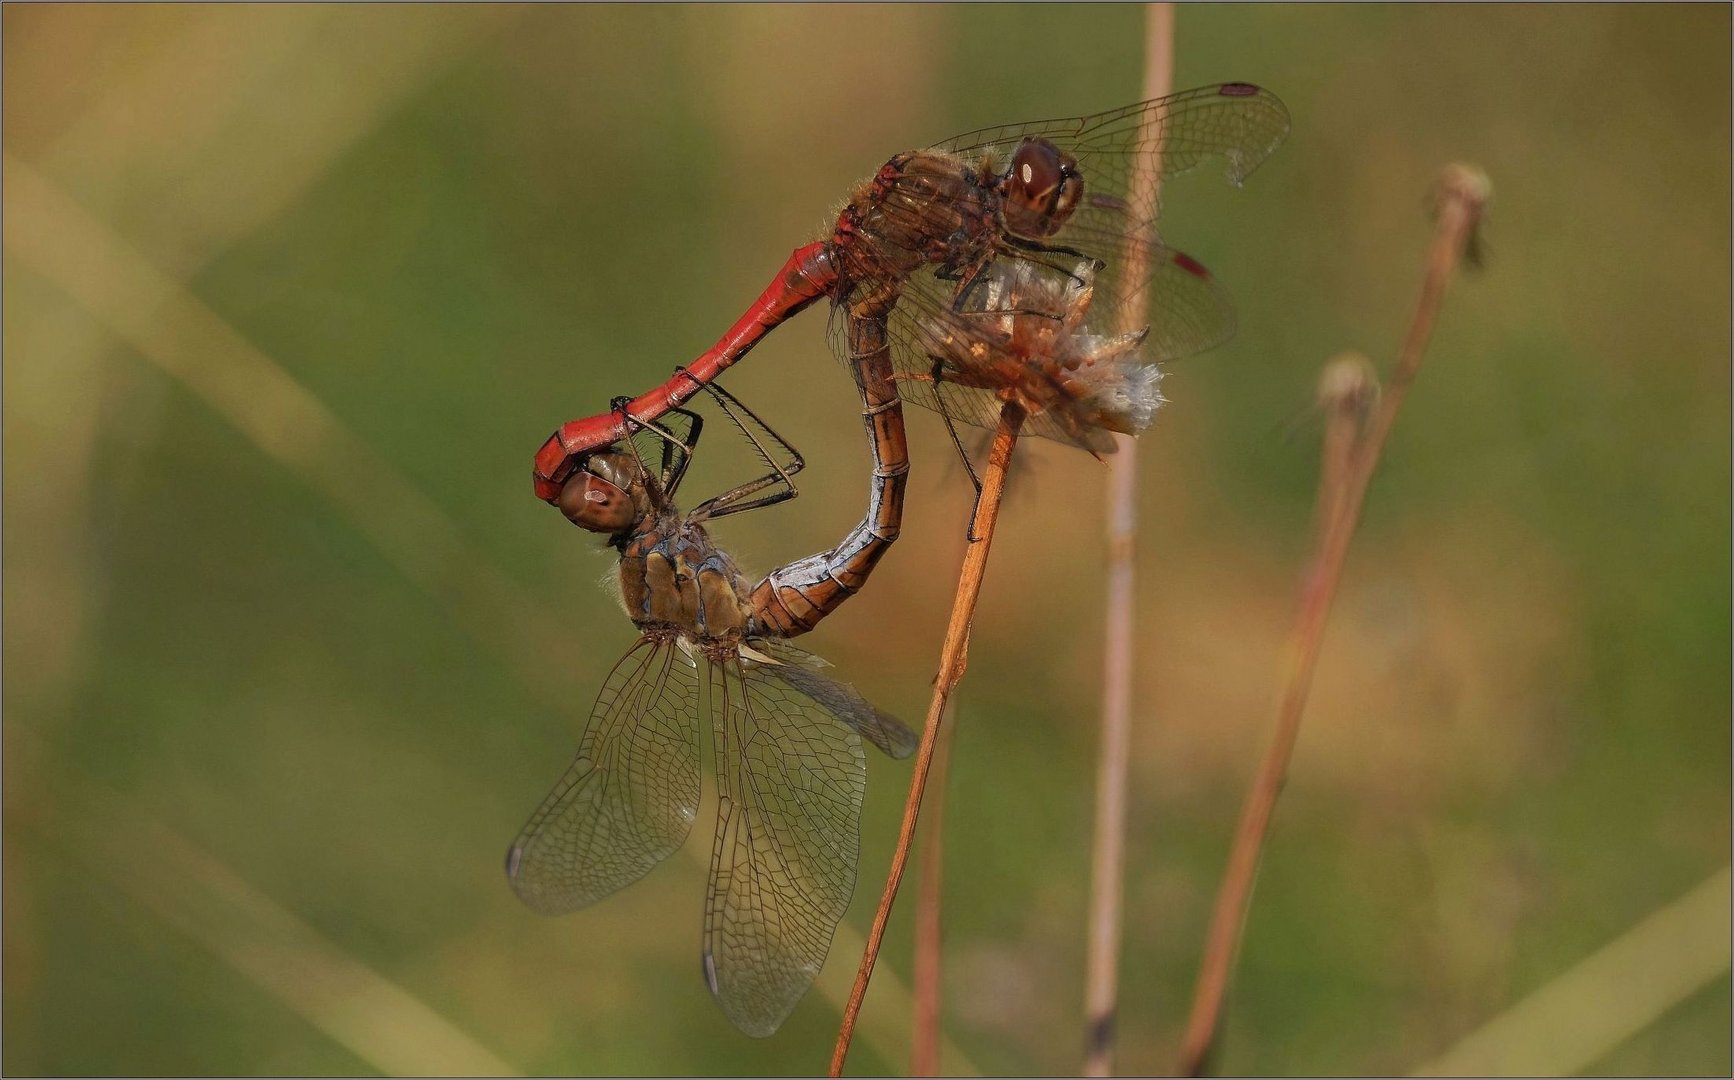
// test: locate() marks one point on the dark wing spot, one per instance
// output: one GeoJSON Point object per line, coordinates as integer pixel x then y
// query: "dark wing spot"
{"type": "Point", "coordinates": [1237, 89]}
{"type": "Point", "coordinates": [1190, 265]}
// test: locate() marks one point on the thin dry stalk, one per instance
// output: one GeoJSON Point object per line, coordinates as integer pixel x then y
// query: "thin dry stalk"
{"type": "Point", "coordinates": [1108, 846]}
{"type": "Point", "coordinates": [953, 657]}
{"type": "Point", "coordinates": [1463, 195]}
{"type": "Point", "coordinates": [1348, 389]}
{"type": "Point", "coordinates": [925, 980]}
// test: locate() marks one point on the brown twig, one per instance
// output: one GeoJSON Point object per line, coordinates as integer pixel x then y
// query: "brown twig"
{"type": "Point", "coordinates": [953, 657]}
{"type": "Point", "coordinates": [925, 980]}
{"type": "Point", "coordinates": [1108, 838]}
{"type": "Point", "coordinates": [1463, 195]}
{"type": "Point", "coordinates": [1348, 390]}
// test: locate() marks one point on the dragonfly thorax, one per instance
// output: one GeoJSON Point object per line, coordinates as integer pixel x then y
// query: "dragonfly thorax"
{"type": "Point", "coordinates": [674, 578]}
{"type": "Point", "coordinates": [923, 206]}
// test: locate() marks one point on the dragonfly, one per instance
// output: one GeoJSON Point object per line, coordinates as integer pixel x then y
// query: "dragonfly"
{"type": "Point", "coordinates": [786, 739]}
{"type": "Point", "coordinates": [981, 235]}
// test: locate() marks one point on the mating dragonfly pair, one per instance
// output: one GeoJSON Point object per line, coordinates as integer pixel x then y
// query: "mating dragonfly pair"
{"type": "Point", "coordinates": [995, 268]}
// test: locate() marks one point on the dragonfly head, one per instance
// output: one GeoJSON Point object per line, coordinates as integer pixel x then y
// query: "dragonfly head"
{"type": "Point", "coordinates": [1040, 190]}
{"type": "Point", "coordinates": [607, 493]}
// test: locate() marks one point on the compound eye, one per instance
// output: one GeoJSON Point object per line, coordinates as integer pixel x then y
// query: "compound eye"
{"type": "Point", "coordinates": [1041, 190]}
{"type": "Point", "coordinates": [1035, 172]}
{"type": "Point", "coordinates": [590, 502]}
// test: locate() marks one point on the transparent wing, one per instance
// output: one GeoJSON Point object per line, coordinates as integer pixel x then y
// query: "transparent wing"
{"type": "Point", "coordinates": [628, 800]}
{"type": "Point", "coordinates": [1144, 281]}
{"type": "Point", "coordinates": [790, 779]}
{"type": "Point", "coordinates": [922, 316]}
{"type": "Point", "coordinates": [1023, 342]}
{"type": "Point", "coordinates": [1238, 123]}
{"type": "Point", "coordinates": [887, 733]}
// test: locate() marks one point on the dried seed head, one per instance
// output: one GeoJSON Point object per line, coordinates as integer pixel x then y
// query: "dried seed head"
{"type": "Point", "coordinates": [1348, 384]}
{"type": "Point", "coordinates": [1467, 188]}
{"type": "Point", "coordinates": [1029, 342]}
{"type": "Point", "coordinates": [1467, 182]}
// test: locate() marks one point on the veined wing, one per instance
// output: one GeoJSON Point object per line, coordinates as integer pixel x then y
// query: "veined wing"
{"type": "Point", "coordinates": [1187, 312]}
{"type": "Point", "coordinates": [790, 780]}
{"type": "Point", "coordinates": [1144, 282]}
{"type": "Point", "coordinates": [799, 668]}
{"type": "Point", "coordinates": [1238, 123]}
{"type": "Point", "coordinates": [629, 798]}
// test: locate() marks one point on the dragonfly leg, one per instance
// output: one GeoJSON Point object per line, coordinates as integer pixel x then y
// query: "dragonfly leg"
{"type": "Point", "coordinates": [963, 456]}
{"type": "Point", "coordinates": [968, 280]}
{"type": "Point", "coordinates": [937, 378]}
{"type": "Point", "coordinates": [1019, 248]}
{"type": "Point", "coordinates": [676, 456]}
{"type": "Point", "coordinates": [784, 460]}
{"type": "Point", "coordinates": [974, 276]}
{"type": "Point", "coordinates": [677, 447]}
{"type": "Point", "coordinates": [677, 450]}
{"type": "Point", "coordinates": [1021, 244]}
{"type": "Point", "coordinates": [1000, 313]}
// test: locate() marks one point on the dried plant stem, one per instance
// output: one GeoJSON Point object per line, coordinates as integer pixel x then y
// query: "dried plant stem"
{"type": "Point", "coordinates": [1464, 193]}
{"type": "Point", "coordinates": [953, 657]}
{"type": "Point", "coordinates": [925, 981]}
{"type": "Point", "coordinates": [1108, 838]}
{"type": "Point", "coordinates": [1348, 388]}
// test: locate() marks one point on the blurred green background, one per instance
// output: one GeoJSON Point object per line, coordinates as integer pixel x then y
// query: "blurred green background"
{"type": "Point", "coordinates": [293, 293]}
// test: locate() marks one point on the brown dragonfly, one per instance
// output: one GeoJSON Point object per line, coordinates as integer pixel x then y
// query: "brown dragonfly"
{"type": "Point", "coordinates": [958, 233]}
{"type": "Point", "coordinates": [786, 739]}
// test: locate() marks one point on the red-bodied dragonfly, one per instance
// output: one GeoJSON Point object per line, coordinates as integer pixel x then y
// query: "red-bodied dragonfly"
{"type": "Point", "coordinates": [786, 740]}
{"type": "Point", "coordinates": [926, 247]}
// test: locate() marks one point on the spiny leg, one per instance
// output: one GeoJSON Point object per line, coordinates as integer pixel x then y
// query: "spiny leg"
{"type": "Point", "coordinates": [937, 378]}
{"type": "Point", "coordinates": [785, 461]}
{"type": "Point", "coordinates": [677, 450]}
{"type": "Point", "coordinates": [974, 278]}
{"type": "Point", "coordinates": [677, 456]}
{"type": "Point", "coordinates": [968, 467]}
{"type": "Point", "coordinates": [1021, 244]}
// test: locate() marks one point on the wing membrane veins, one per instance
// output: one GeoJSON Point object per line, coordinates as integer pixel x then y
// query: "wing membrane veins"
{"type": "Point", "coordinates": [790, 781]}
{"type": "Point", "coordinates": [1189, 311]}
{"type": "Point", "coordinates": [629, 797]}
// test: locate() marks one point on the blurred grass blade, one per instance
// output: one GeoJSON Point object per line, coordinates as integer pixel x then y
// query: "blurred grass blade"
{"type": "Point", "coordinates": [246, 111]}
{"type": "Point", "coordinates": [51, 235]}
{"type": "Point", "coordinates": [374, 1018]}
{"type": "Point", "coordinates": [168, 124]}
{"type": "Point", "coordinates": [1578, 1018]}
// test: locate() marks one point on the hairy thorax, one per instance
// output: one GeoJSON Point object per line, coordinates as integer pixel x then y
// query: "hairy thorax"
{"type": "Point", "coordinates": [672, 577]}
{"type": "Point", "coordinates": [923, 206]}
